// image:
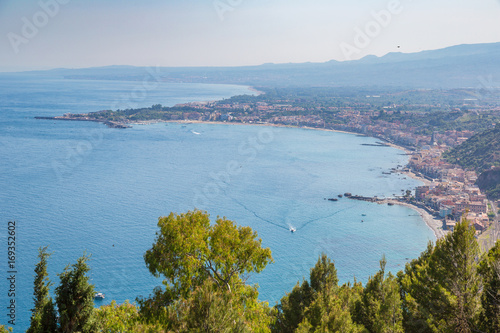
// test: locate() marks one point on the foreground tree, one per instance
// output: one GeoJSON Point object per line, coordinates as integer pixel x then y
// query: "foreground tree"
{"type": "Point", "coordinates": [290, 311]}
{"type": "Point", "coordinates": [212, 309]}
{"type": "Point", "coordinates": [379, 308]}
{"type": "Point", "coordinates": [5, 329]}
{"type": "Point", "coordinates": [123, 318]}
{"type": "Point", "coordinates": [202, 265]}
{"type": "Point", "coordinates": [188, 250]}
{"type": "Point", "coordinates": [490, 298]}
{"type": "Point", "coordinates": [43, 317]}
{"type": "Point", "coordinates": [75, 299]}
{"type": "Point", "coordinates": [441, 289]}
{"type": "Point", "coordinates": [318, 306]}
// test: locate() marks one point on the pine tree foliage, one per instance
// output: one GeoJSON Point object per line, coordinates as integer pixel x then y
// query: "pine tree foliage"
{"type": "Point", "coordinates": [318, 306]}
{"type": "Point", "coordinates": [211, 309]}
{"type": "Point", "coordinates": [441, 289]}
{"type": "Point", "coordinates": [123, 318]}
{"type": "Point", "coordinates": [379, 307]}
{"type": "Point", "coordinates": [5, 329]}
{"type": "Point", "coordinates": [490, 298]}
{"type": "Point", "coordinates": [202, 265]}
{"type": "Point", "coordinates": [188, 250]}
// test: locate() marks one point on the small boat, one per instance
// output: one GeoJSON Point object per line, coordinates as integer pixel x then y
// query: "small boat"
{"type": "Point", "coordinates": [99, 296]}
{"type": "Point", "coordinates": [332, 199]}
{"type": "Point", "coordinates": [390, 204]}
{"type": "Point", "coordinates": [292, 230]}
{"type": "Point", "coordinates": [363, 214]}
{"type": "Point", "coordinates": [340, 195]}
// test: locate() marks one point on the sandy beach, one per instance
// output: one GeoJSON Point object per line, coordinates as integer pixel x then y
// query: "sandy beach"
{"type": "Point", "coordinates": [432, 222]}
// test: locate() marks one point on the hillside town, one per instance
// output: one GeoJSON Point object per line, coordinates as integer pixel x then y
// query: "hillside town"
{"type": "Point", "coordinates": [450, 192]}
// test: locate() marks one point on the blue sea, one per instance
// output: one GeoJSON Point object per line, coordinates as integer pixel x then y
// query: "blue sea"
{"type": "Point", "coordinates": [80, 187]}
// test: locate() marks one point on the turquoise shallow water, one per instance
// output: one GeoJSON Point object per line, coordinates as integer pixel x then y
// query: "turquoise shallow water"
{"type": "Point", "coordinates": [79, 186]}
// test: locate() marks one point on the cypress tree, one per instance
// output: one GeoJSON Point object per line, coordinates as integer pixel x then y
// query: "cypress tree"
{"type": "Point", "coordinates": [74, 298]}
{"type": "Point", "coordinates": [43, 318]}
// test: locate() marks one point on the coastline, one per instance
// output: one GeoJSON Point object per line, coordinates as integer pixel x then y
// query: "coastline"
{"type": "Point", "coordinates": [149, 122]}
{"type": "Point", "coordinates": [434, 224]}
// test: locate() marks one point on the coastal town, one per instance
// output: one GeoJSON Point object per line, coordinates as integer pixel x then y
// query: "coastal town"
{"type": "Point", "coordinates": [425, 130]}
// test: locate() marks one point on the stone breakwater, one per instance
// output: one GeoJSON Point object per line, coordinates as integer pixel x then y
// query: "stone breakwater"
{"type": "Point", "coordinates": [109, 123]}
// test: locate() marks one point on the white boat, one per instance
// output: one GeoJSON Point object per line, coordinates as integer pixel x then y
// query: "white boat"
{"type": "Point", "coordinates": [292, 229]}
{"type": "Point", "coordinates": [99, 296]}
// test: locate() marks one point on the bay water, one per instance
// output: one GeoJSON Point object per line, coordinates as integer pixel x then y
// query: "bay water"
{"type": "Point", "coordinates": [80, 187]}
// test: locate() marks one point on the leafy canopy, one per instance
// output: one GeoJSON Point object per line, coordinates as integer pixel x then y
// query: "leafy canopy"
{"type": "Point", "coordinates": [188, 250]}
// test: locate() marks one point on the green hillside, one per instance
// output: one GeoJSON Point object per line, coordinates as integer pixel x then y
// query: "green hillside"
{"type": "Point", "coordinates": [481, 152]}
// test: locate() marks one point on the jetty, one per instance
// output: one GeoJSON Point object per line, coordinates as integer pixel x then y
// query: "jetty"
{"type": "Point", "coordinates": [109, 123]}
{"type": "Point", "coordinates": [362, 198]}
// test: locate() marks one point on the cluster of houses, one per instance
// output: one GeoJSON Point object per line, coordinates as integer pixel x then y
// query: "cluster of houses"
{"type": "Point", "coordinates": [450, 191]}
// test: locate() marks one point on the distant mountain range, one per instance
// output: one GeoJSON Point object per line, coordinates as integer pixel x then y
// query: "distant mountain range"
{"type": "Point", "coordinates": [461, 66]}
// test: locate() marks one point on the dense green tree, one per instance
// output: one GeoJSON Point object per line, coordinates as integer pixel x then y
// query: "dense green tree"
{"type": "Point", "coordinates": [324, 274]}
{"type": "Point", "coordinates": [441, 289]}
{"type": "Point", "coordinates": [416, 289]}
{"type": "Point", "coordinates": [202, 265]}
{"type": "Point", "coordinates": [290, 310]}
{"type": "Point", "coordinates": [5, 329]}
{"type": "Point", "coordinates": [43, 318]}
{"type": "Point", "coordinates": [331, 310]}
{"type": "Point", "coordinates": [209, 308]}
{"type": "Point", "coordinates": [490, 298]}
{"type": "Point", "coordinates": [455, 263]}
{"type": "Point", "coordinates": [123, 318]}
{"type": "Point", "coordinates": [188, 250]}
{"type": "Point", "coordinates": [75, 299]}
{"type": "Point", "coordinates": [319, 305]}
{"type": "Point", "coordinates": [379, 308]}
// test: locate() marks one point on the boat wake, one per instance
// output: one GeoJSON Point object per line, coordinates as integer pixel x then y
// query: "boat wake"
{"type": "Point", "coordinates": [257, 215]}
{"type": "Point", "coordinates": [325, 217]}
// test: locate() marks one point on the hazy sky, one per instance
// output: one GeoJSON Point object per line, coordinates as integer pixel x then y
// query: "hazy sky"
{"type": "Point", "coordinates": [85, 33]}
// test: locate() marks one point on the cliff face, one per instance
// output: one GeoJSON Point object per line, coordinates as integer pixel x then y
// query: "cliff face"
{"type": "Point", "coordinates": [489, 182]}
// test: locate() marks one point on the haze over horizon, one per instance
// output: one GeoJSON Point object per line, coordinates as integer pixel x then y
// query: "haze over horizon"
{"type": "Point", "coordinates": [48, 34]}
